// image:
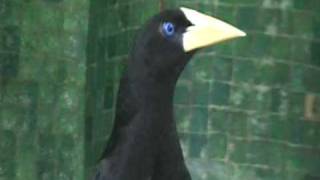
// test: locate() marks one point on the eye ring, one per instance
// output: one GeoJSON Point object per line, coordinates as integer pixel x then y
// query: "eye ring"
{"type": "Point", "coordinates": [168, 29]}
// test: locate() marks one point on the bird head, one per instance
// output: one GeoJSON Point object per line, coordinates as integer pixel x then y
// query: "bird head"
{"type": "Point", "coordinates": [168, 40]}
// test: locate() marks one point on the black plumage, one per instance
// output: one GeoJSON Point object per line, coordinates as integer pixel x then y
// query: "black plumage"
{"type": "Point", "coordinates": [144, 143]}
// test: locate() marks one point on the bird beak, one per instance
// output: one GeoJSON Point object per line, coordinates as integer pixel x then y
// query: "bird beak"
{"type": "Point", "coordinates": [206, 30]}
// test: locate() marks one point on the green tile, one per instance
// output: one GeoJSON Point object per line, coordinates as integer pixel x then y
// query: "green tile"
{"type": "Point", "coordinates": [262, 101]}
{"type": "Point", "coordinates": [216, 146]}
{"type": "Point", "coordinates": [316, 27]}
{"type": "Point", "coordinates": [226, 13]}
{"type": "Point", "coordinates": [220, 170]}
{"type": "Point", "coordinates": [295, 134]}
{"type": "Point", "coordinates": [310, 81]}
{"type": "Point", "coordinates": [303, 133]}
{"type": "Point", "coordinates": [310, 5]}
{"type": "Point", "coordinates": [133, 18]}
{"type": "Point", "coordinates": [310, 133]}
{"type": "Point", "coordinates": [202, 67]}
{"type": "Point", "coordinates": [300, 4]}
{"type": "Point", "coordinates": [253, 46]}
{"type": "Point", "coordinates": [281, 48]}
{"type": "Point", "coordinates": [124, 15]}
{"type": "Point", "coordinates": [281, 74]}
{"type": "Point", "coordinates": [7, 157]}
{"type": "Point", "coordinates": [301, 51]}
{"type": "Point", "coordinates": [244, 2]}
{"type": "Point", "coordinates": [238, 124]}
{"type": "Point", "coordinates": [10, 12]}
{"type": "Point", "coordinates": [47, 156]}
{"type": "Point", "coordinates": [261, 46]}
{"type": "Point", "coordinates": [245, 13]}
{"type": "Point", "coordinates": [222, 68]}
{"type": "Point", "coordinates": [297, 78]}
{"type": "Point", "coordinates": [65, 156]}
{"type": "Point", "coordinates": [121, 48]}
{"type": "Point", "coordinates": [303, 159]}
{"type": "Point", "coordinates": [239, 151]}
{"type": "Point", "coordinates": [297, 175]}
{"type": "Point", "coordinates": [267, 17]}
{"type": "Point", "coordinates": [259, 127]}
{"type": "Point", "coordinates": [220, 94]}
{"type": "Point", "coordinates": [112, 20]}
{"type": "Point", "coordinates": [244, 47]}
{"type": "Point", "coordinates": [266, 73]}
{"type": "Point", "coordinates": [183, 117]}
{"type": "Point", "coordinates": [296, 106]}
{"type": "Point", "coordinates": [243, 71]}
{"type": "Point", "coordinates": [197, 142]}
{"type": "Point", "coordinates": [243, 97]}
{"type": "Point", "coordinates": [266, 153]}
{"type": "Point", "coordinates": [272, 73]}
{"type": "Point", "coordinates": [207, 7]}
{"type": "Point", "coordinates": [111, 46]}
{"type": "Point", "coordinates": [224, 48]}
{"type": "Point", "coordinates": [218, 120]}
{"type": "Point", "coordinates": [317, 144]}
{"type": "Point", "coordinates": [315, 54]}
{"type": "Point", "coordinates": [279, 130]}
{"type": "Point", "coordinates": [199, 120]}
{"type": "Point", "coordinates": [200, 93]}
{"type": "Point", "coordinates": [110, 71]}
{"type": "Point", "coordinates": [269, 174]}
{"type": "Point", "coordinates": [150, 9]}
{"type": "Point", "coordinates": [305, 18]}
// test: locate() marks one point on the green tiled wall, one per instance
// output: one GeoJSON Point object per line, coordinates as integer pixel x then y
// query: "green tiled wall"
{"type": "Point", "coordinates": [42, 77]}
{"type": "Point", "coordinates": [242, 107]}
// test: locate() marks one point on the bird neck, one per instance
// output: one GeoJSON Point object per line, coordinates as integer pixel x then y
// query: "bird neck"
{"type": "Point", "coordinates": [152, 91]}
{"type": "Point", "coordinates": [153, 87]}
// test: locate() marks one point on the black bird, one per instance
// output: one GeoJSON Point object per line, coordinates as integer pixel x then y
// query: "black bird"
{"type": "Point", "coordinates": [144, 143]}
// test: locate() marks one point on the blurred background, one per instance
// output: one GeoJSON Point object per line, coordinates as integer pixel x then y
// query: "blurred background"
{"type": "Point", "coordinates": [248, 109]}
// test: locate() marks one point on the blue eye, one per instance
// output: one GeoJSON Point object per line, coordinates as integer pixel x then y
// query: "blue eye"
{"type": "Point", "coordinates": [168, 29]}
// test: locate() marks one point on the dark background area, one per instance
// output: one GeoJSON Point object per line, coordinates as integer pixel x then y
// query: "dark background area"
{"type": "Point", "coordinates": [248, 109]}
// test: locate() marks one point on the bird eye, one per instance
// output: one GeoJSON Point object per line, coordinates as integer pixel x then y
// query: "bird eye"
{"type": "Point", "coordinates": [168, 29]}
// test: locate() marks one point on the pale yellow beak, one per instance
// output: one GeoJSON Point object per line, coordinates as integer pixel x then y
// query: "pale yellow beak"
{"type": "Point", "coordinates": [206, 30]}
